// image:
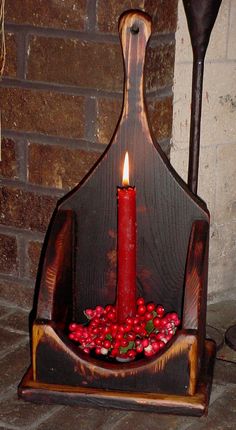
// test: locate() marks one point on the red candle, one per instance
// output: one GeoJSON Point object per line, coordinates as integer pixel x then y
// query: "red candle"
{"type": "Point", "coordinates": [126, 255]}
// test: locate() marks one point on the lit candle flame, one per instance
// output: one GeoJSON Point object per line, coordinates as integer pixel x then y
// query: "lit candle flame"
{"type": "Point", "coordinates": [125, 179]}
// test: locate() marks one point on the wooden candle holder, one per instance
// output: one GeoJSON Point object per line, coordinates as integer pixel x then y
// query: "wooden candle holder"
{"type": "Point", "coordinates": [78, 270]}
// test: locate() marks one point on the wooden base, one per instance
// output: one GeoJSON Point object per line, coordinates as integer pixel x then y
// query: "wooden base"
{"type": "Point", "coordinates": [195, 405]}
{"type": "Point", "coordinates": [230, 337]}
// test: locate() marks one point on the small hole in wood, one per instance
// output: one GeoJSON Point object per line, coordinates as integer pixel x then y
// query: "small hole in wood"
{"type": "Point", "coordinates": [134, 29]}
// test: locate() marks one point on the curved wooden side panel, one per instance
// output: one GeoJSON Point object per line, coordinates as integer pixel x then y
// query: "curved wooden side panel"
{"type": "Point", "coordinates": [196, 277]}
{"type": "Point", "coordinates": [56, 359]}
{"type": "Point", "coordinates": [55, 284]}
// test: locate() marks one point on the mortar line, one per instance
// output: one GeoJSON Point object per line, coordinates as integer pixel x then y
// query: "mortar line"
{"type": "Point", "coordinates": [78, 91]}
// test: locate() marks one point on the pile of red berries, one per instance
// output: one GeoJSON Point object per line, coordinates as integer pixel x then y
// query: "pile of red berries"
{"type": "Point", "coordinates": [145, 334]}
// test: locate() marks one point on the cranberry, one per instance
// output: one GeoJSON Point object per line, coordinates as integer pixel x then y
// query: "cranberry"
{"type": "Point", "coordinates": [137, 328]}
{"type": "Point", "coordinates": [99, 310]}
{"type": "Point", "coordinates": [127, 328]}
{"type": "Point", "coordinates": [145, 343]}
{"type": "Point", "coordinates": [108, 308]}
{"type": "Point", "coordinates": [119, 336]}
{"type": "Point", "coordinates": [124, 342]}
{"type": "Point", "coordinates": [160, 310]}
{"type": "Point", "coordinates": [130, 336]}
{"type": "Point", "coordinates": [107, 344]}
{"type": "Point", "coordinates": [114, 352]}
{"type": "Point", "coordinates": [150, 307]}
{"type": "Point", "coordinates": [141, 309]}
{"type": "Point", "coordinates": [155, 346]}
{"type": "Point", "coordinates": [111, 315]}
{"type": "Point", "coordinates": [140, 301]}
{"type": "Point", "coordinates": [131, 353]}
{"type": "Point", "coordinates": [89, 312]}
{"type": "Point", "coordinates": [156, 322]}
{"type": "Point", "coordinates": [148, 316]}
{"type": "Point", "coordinates": [139, 348]}
{"type": "Point", "coordinates": [72, 336]}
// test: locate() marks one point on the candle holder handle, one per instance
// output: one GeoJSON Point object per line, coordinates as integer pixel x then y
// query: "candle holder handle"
{"type": "Point", "coordinates": [201, 16]}
{"type": "Point", "coordinates": [135, 31]}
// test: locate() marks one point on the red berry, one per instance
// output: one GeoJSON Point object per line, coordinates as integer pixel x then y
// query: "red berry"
{"type": "Point", "coordinates": [160, 310]}
{"type": "Point", "coordinates": [106, 330]}
{"type": "Point", "coordinates": [164, 321]}
{"type": "Point", "coordinates": [137, 328]}
{"type": "Point", "coordinates": [131, 336]}
{"type": "Point", "coordinates": [145, 343]}
{"type": "Point", "coordinates": [98, 350]}
{"type": "Point", "coordinates": [141, 309]}
{"type": "Point", "coordinates": [139, 348]}
{"type": "Point", "coordinates": [140, 301]}
{"type": "Point", "coordinates": [108, 308]}
{"type": "Point", "coordinates": [156, 322]}
{"type": "Point", "coordinates": [116, 344]}
{"type": "Point", "coordinates": [107, 344]}
{"type": "Point", "coordinates": [111, 315]}
{"type": "Point", "coordinates": [149, 353]}
{"type": "Point", "coordinates": [124, 342]}
{"type": "Point", "coordinates": [119, 336]}
{"type": "Point", "coordinates": [150, 307]}
{"type": "Point", "coordinates": [148, 316]}
{"type": "Point", "coordinates": [72, 336]}
{"type": "Point", "coordinates": [155, 346]}
{"type": "Point", "coordinates": [129, 321]}
{"type": "Point", "coordinates": [127, 328]}
{"type": "Point", "coordinates": [131, 353]}
{"type": "Point", "coordinates": [114, 352]}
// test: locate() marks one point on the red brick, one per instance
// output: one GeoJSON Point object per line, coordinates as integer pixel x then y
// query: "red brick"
{"type": "Point", "coordinates": [9, 167]}
{"type": "Point", "coordinates": [69, 14]}
{"type": "Point", "coordinates": [159, 70]}
{"type": "Point", "coordinates": [163, 13]}
{"type": "Point", "coordinates": [160, 114]}
{"type": "Point", "coordinates": [109, 11]}
{"type": "Point", "coordinates": [17, 294]}
{"type": "Point", "coordinates": [58, 166]}
{"type": "Point", "coordinates": [67, 61]}
{"type": "Point", "coordinates": [34, 251]}
{"type": "Point", "coordinates": [25, 209]}
{"type": "Point", "coordinates": [11, 62]}
{"type": "Point", "coordinates": [108, 112]}
{"type": "Point", "coordinates": [8, 254]}
{"type": "Point", "coordinates": [44, 112]}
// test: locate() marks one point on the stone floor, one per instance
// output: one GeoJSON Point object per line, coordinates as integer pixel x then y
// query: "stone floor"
{"type": "Point", "coordinates": [16, 414]}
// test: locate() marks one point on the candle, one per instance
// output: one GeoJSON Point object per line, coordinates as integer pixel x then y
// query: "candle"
{"type": "Point", "coordinates": [126, 255]}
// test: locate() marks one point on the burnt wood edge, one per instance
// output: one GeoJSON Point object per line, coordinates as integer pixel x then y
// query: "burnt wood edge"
{"type": "Point", "coordinates": [184, 342]}
{"type": "Point", "coordinates": [193, 405]}
{"type": "Point", "coordinates": [55, 280]}
{"type": "Point", "coordinates": [196, 276]}
{"type": "Point", "coordinates": [195, 290]}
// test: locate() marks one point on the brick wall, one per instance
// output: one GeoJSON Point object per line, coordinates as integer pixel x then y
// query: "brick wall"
{"type": "Point", "coordinates": [61, 97]}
